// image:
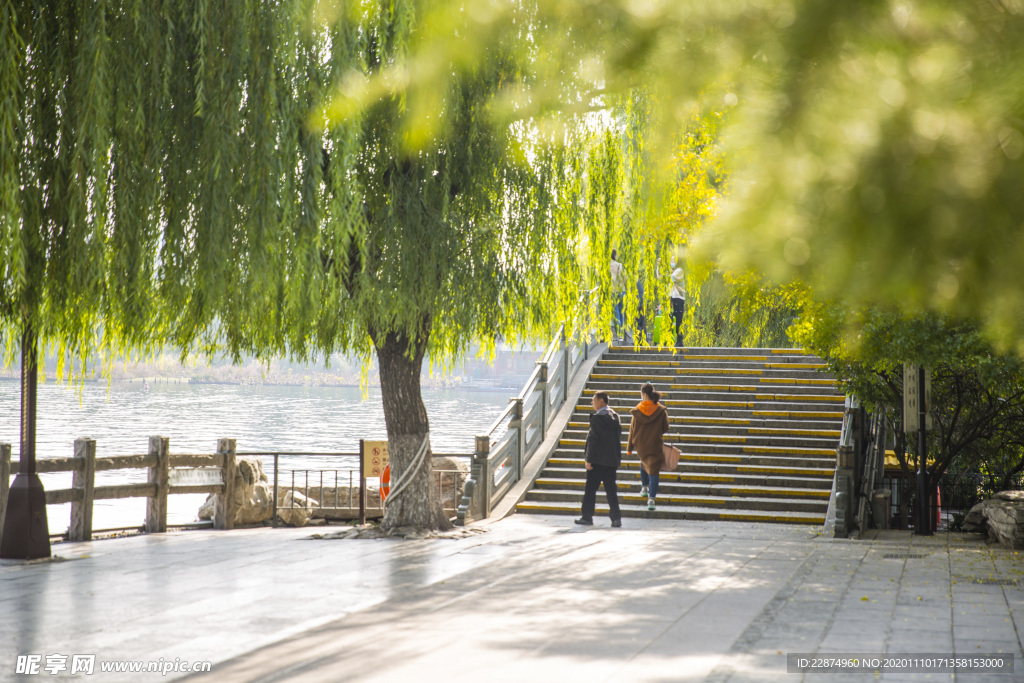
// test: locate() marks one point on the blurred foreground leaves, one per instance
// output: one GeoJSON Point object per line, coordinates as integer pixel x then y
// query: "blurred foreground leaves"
{"type": "Point", "coordinates": [876, 146]}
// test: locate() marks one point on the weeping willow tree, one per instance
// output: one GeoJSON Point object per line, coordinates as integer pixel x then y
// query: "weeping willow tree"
{"type": "Point", "coordinates": [433, 233]}
{"type": "Point", "coordinates": [149, 182]}
{"type": "Point", "coordinates": [153, 176]}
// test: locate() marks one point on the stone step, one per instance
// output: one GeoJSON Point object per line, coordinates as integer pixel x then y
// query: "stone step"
{"type": "Point", "coordinates": [703, 352]}
{"type": "Point", "coordinates": [745, 479]}
{"type": "Point", "coordinates": [671, 499]}
{"type": "Point", "coordinates": [796, 385]}
{"type": "Point", "coordinates": [720, 398]}
{"type": "Point", "coordinates": [719, 364]}
{"type": "Point", "coordinates": [679, 512]}
{"type": "Point", "coordinates": [683, 406]}
{"type": "Point", "coordinates": [671, 375]}
{"type": "Point", "coordinates": [573, 458]}
{"type": "Point", "coordinates": [688, 439]}
{"type": "Point", "coordinates": [726, 466]}
{"type": "Point", "coordinates": [732, 428]}
{"type": "Point", "coordinates": [777, 412]}
{"type": "Point", "coordinates": [615, 390]}
{"type": "Point", "coordinates": [630, 480]}
{"type": "Point", "coordinates": [729, 449]}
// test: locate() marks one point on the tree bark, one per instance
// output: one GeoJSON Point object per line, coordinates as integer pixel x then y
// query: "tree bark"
{"type": "Point", "coordinates": [401, 359]}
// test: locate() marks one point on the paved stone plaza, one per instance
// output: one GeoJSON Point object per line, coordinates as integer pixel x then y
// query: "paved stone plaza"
{"type": "Point", "coordinates": [534, 598]}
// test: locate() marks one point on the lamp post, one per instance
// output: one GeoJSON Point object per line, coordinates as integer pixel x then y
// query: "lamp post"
{"type": "Point", "coordinates": [26, 534]}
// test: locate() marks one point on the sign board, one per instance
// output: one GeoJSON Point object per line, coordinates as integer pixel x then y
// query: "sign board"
{"type": "Point", "coordinates": [375, 458]}
{"type": "Point", "coordinates": [912, 397]}
{"type": "Point", "coordinates": [195, 476]}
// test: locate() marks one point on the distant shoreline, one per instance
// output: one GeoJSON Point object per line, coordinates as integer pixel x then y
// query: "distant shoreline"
{"type": "Point", "coordinates": [330, 385]}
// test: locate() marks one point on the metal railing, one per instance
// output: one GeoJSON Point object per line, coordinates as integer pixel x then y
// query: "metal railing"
{"type": "Point", "coordinates": [872, 471]}
{"type": "Point", "coordinates": [329, 487]}
{"type": "Point", "coordinates": [501, 456]}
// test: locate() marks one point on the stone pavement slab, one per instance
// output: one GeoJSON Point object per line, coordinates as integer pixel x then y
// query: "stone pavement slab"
{"type": "Point", "coordinates": [534, 598]}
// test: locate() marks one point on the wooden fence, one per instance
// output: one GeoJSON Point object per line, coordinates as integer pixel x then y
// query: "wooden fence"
{"type": "Point", "coordinates": [167, 474]}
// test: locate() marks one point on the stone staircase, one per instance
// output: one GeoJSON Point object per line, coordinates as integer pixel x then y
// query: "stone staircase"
{"type": "Point", "coordinates": [757, 429]}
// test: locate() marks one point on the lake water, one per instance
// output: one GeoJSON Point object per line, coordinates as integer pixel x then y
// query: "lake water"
{"type": "Point", "coordinates": [193, 416]}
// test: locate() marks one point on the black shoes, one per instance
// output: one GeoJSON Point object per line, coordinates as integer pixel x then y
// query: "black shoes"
{"type": "Point", "coordinates": [589, 522]}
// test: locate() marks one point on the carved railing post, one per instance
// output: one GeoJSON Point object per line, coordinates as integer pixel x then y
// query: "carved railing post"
{"type": "Point", "coordinates": [517, 424]}
{"type": "Point", "coordinates": [226, 507]}
{"type": "Point", "coordinates": [83, 479]}
{"type": "Point", "coordinates": [159, 472]}
{"type": "Point", "coordinates": [472, 505]}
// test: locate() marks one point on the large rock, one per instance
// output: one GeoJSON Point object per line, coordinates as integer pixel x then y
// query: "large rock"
{"type": "Point", "coordinates": [252, 494]}
{"type": "Point", "coordinates": [296, 509]}
{"type": "Point", "coordinates": [452, 473]}
{"type": "Point", "coordinates": [1002, 517]}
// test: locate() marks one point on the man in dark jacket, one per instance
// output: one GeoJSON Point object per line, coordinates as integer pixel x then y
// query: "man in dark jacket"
{"type": "Point", "coordinates": [603, 454]}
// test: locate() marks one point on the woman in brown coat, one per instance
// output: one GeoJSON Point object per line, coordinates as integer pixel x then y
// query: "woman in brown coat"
{"type": "Point", "coordinates": [649, 423]}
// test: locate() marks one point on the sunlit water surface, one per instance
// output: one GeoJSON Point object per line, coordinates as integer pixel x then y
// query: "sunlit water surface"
{"type": "Point", "coordinates": [193, 417]}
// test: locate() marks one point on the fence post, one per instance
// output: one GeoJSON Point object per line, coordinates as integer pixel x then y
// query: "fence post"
{"type": "Point", "coordinates": [517, 422]}
{"type": "Point", "coordinates": [566, 367]}
{"type": "Point", "coordinates": [156, 507]}
{"type": "Point", "coordinates": [542, 384]}
{"type": "Point", "coordinates": [83, 479]}
{"type": "Point", "coordinates": [5, 481]}
{"type": "Point", "coordinates": [225, 508]}
{"type": "Point", "coordinates": [483, 455]}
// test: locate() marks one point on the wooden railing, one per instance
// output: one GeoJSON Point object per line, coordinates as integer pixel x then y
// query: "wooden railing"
{"type": "Point", "coordinates": [167, 474]}
{"type": "Point", "coordinates": [504, 450]}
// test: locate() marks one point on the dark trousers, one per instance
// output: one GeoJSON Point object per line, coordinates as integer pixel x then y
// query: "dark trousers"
{"type": "Point", "coordinates": [595, 477]}
{"type": "Point", "coordinates": [678, 311]}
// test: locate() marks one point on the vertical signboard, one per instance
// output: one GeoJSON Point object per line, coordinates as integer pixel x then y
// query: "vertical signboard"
{"type": "Point", "coordinates": [373, 458]}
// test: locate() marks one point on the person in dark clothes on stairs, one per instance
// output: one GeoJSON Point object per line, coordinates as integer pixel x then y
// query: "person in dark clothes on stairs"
{"type": "Point", "coordinates": [603, 454]}
{"type": "Point", "coordinates": [649, 424]}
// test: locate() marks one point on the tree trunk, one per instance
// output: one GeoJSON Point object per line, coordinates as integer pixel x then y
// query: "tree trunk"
{"type": "Point", "coordinates": [418, 505]}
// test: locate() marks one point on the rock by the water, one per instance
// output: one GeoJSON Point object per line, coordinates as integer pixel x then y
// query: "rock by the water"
{"type": "Point", "coordinates": [1002, 517]}
{"type": "Point", "coordinates": [206, 509]}
{"type": "Point", "coordinates": [452, 473]}
{"type": "Point", "coordinates": [296, 509]}
{"type": "Point", "coordinates": [252, 494]}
